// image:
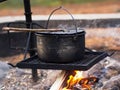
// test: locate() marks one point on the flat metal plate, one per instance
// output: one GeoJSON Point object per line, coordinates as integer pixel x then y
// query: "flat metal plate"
{"type": "Point", "coordinates": [90, 59]}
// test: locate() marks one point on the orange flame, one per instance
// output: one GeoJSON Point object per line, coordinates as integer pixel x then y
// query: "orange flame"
{"type": "Point", "coordinates": [79, 79]}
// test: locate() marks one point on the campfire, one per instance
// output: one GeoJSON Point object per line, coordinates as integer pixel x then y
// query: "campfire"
{"type": "Point", "coordinates": [78, 81]}
{"type": "Point", "coordinates": [74, 80]}
{"type": "Point", "coordinates": [102, 76]}
{"type": "Point", "coordinates": [72, 77]}
{"type": "Point", "coordinates": [107, 73]}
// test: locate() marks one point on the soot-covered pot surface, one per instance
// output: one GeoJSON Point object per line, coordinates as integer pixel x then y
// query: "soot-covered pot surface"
{"type": "Point", "coordinates": [61, 47]}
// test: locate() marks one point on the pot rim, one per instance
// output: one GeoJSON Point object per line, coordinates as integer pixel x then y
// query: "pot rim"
{"type": "Point", "coordinates": [62, 33]}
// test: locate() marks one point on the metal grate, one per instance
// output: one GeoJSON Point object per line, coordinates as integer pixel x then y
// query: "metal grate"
{"type": "Point", "coordinates": [90, 59]}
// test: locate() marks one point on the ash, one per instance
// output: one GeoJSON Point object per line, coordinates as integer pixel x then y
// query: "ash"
{"type": "Point", "coordinates": [108, 72]}
{"type": "Point", "coordinates": [18, 79]}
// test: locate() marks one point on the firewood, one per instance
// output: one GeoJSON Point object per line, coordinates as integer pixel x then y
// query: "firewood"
{"type": "Point", "coordinates": [59, 81]}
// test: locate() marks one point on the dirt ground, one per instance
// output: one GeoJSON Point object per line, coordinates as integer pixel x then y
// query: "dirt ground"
{"type": "Point", "coordinates": [104, 7]}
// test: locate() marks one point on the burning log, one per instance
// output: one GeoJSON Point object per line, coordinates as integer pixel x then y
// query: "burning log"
{"type": "Point", "coordinates": [74, 81]}
{"type": "Point", "coordinates": [57, 84]}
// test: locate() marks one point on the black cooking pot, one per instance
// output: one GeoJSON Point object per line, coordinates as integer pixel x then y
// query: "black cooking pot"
{"type": "Point", "coordinates": [61, 47]}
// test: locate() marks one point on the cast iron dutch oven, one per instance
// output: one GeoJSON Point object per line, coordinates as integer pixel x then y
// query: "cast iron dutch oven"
{"type": "Point", "coordinates": [61, 47]}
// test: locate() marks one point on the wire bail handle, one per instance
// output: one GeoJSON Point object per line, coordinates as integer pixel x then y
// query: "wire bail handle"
{"type": "Point", "coordinates": [61, 7]}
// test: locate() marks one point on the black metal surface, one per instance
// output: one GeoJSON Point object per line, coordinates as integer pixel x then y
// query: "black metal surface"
{"type": "Point", "coordinates": [2, 1]}
{"type": "Point", "coordinates": [31, 36]}
{"type": "Point", "coordinates": [90, 59]}
{"type": "Point", "coordinates": [28, 13]}
{"type": "Point", "coordinates": [59, 48]}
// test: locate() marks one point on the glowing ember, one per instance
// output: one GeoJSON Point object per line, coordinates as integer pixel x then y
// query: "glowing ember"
{"type": "Point", "coordinates": [79, 79]}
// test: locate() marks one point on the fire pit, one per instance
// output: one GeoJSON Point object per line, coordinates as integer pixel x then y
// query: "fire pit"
{"type": "Point", "coordinates": [89, 57]}
{"type": "Point", "coordinates": [106, 71]}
